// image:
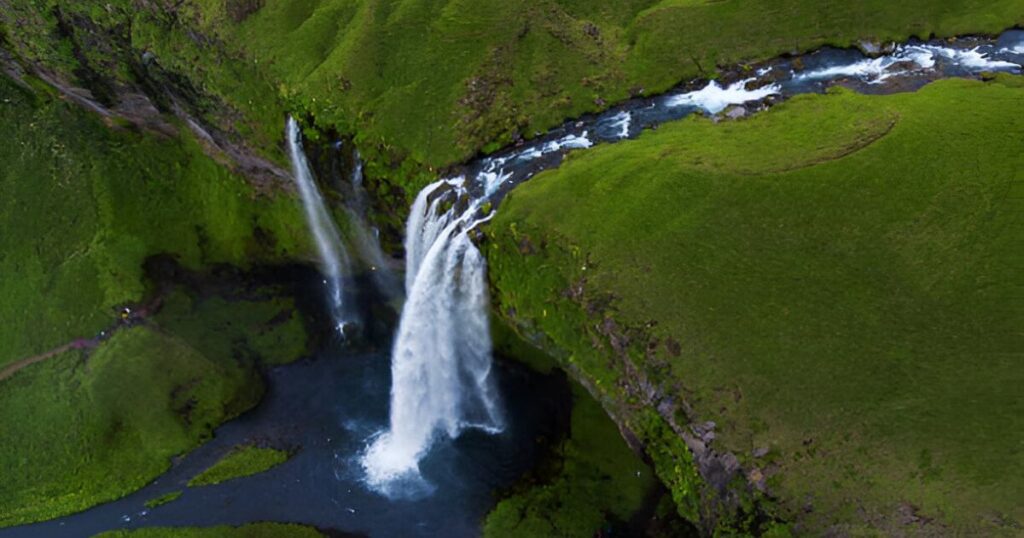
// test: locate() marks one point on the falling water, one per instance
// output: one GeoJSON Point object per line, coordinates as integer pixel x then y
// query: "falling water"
{"type": "Point", "coordinates": [366, 238]}
{"type": "Point", "coordinates": [334, 260]}
{"type": "Point", "coordinates": [441, 364]}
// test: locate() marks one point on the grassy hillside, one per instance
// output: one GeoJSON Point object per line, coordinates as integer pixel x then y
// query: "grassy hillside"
{"type": "Point", "coordinates": [425, 84]}
{"type": "Point", "coordinates": [437, 81]}
{"type": "Point", "coordinates": [81, 208]}
{"type": "Point", "coordinates": [76, 435]}
{"type": "Point", "coordinates": [835, 283]}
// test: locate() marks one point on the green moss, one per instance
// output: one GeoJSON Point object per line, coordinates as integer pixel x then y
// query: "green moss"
{"type": "Point", "coordinates": [832, 280]}
{"type": "Point", "coordinates": [241, 461]}
{"type": "Point", "coordinates": [98, 202]}
{"type": "Point", "coordinates": [82, 207]}
{"type": "Point", "coordinates": [597, 480]}
{"type": "Point", "coordinates": [163, 499]}
{"type": "Point", "coordinates": [269, 329]}
{"type": "Point", "coordinates": [140, 399]}
{"type": "Point", "coordinates": [255, 530]}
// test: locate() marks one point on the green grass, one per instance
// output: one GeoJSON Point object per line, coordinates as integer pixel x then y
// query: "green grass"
{"type": "Point", "coordinates": [268, 329]}
{"type": "Point", "coordinates": [422, 85]}
{"type": "Point", "coordinates": [437, 82]}
{"type": "Point", "coordinates": [79, 432]}
{"type": "Point", "coordinates": [255, 530]}
{"type": "Point", "coordinates": [241, 461]}
{"type": "Point", "coordinates": [81, 207]}
{"type": "Point", "coordinates": [595, 480]}
{"type": "Point", "coordinates": [163, 499]}
{"type": "Point", "coordinates": [96, 203]}
{"type": "Point", "coordinates": [835, 280]}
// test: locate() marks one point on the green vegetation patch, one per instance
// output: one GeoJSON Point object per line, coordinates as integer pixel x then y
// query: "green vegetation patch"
{"type": "Point", "coordinates": [423, 85]}
{"type": "Point", "coordinates": [833, 281]}
{"type": "Point", "coordinates": [593, 481]}
{"type": "Point", "coordinates": [255, 530]}
{"type": "Point", "coordinates": [81, 207]}
{"type": "Point", "coordinates": [84, 429]}
{"type": "Point", "coordinates": [163, 499]}
{"type": "Point", "coordinates": [268, 329]}
{"type": "Point", "coordinates": [433, 83]}
{"type": "Point", "coordinates": [241, 461]}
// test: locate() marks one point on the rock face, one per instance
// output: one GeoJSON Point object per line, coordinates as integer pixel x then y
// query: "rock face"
{"type": "Point", "coordinates": [874, 49]}
{"type": "Point", "coordinates": [107, 73]}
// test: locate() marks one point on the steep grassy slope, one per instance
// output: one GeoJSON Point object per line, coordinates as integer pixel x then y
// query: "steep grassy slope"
{"type": "Point", "coordinates": [591, 481]}
{"type": "Point", "coordinates": [423, 84]}
{"type": "Point", "coordinates": [437, 81]}
{"type": "Point", "coordinates": [81, 208]}
{"type": "Point", "coordinates": [835, 283]}
{"type": "Point", "coordinates": [78, 433]}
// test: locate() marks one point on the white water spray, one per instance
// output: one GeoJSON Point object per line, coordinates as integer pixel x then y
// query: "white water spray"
{"type": "Point", "coordinates": [334, 262]}
{"type": "Point", "coordinates": [713, 98]}
{"type": "Point", "coordinates": [441, 363]}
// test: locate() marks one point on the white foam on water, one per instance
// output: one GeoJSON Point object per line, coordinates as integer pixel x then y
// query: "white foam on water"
{"type": "Point", "coordinates": [971, 59]}
{"type": "Point", "coordinates": [877, 70]}
{"type": "Point", "coordinates": [571, 141]}
{"type": "Point", "coordinates": [493, 173]}
{"type": "Point", "coordinates": [713, 98]}
{"type": "Point", "coordinates": [622, 122]}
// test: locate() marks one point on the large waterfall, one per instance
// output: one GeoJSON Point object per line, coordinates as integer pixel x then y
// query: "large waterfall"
{"type": "Point", "coordinates": [441, 364]}
{"type": "Point", "coordinates": [334, 261]}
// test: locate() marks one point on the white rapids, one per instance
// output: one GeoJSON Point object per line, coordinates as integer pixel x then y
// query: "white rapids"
{"type": "Point", "coordinates": [713, 98]}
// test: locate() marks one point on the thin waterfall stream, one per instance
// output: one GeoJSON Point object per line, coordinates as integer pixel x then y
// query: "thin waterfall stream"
{"type": "Point", "coordinates": [334, 260]}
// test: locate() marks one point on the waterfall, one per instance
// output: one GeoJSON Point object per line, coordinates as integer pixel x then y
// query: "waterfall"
{"type": "Point", "coordinates": [334, 262]}
{"type": "Point", "coordinates": [441, 362]}
{"type": "Point", "coordinates": [365, 238]}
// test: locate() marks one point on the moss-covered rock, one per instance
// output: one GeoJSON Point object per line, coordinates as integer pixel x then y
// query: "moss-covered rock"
{"type": "Point", "coordinates": [240, 461]}
{"type": "Point", "coordinates": [591, 481]}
